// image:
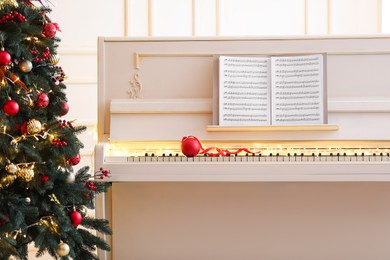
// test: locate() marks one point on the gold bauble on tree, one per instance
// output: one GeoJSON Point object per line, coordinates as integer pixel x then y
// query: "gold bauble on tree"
{"type": "Point", "coordinates": [26, 174]}
{"type": "Point", "coordinates": [63, 249]}
{"type": "Point", "coordinates": [33, 127]}
{"type": "Point", "coordinates": [25, 66]}
{"type": "Point", "coordinates": [54, 59]}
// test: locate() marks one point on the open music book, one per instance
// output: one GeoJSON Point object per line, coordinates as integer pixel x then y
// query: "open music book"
{"type": "Point", "coordinates": [276, 90]}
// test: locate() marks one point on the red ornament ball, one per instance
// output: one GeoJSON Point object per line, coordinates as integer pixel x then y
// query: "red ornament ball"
{"type": "Point", "coordinates": [5, 58]}
{"type": "Point", "coordinates": [23, 128]}
{"type": "Point", "coordinates": [75, 218]}
{"type": "Point", "coordinates": [64, 108]}
{"type": "Point", "coordinates": [50, 29]}
{"type": "Point", "coordinates": [74, 160]}
{"type": "Point", "coordinates": [11, 108]}
{"type": "Point", "coordinates": [42, 100]}
{"type": "Point", "coordinates": [190, 146]}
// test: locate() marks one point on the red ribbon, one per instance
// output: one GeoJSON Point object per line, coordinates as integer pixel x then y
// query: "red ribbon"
{"type": "Point", "coordinates": [219, 152]}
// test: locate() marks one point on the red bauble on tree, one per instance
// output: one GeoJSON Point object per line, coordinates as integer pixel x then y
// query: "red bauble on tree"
{"type": "Point", "coordinates": [5, 58]}
{"type": "Point", "coordinates": [42, 100]}
{"type": "Point", "coordinates": [64, 108]}
{"type": "Point", "coordinates": [190, 146]}
{"type": "Point", "coordinates": [74, 160]}
{"type": "Point", "coordinates": [50, 29]}
{"type": "Point", "coordinates": [75, 218]}
{"type": "Point", "coordinates": [11, 108]}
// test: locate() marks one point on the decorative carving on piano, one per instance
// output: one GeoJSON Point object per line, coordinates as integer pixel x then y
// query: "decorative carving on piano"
{"type": "Point", "coordinates": [135, 87]}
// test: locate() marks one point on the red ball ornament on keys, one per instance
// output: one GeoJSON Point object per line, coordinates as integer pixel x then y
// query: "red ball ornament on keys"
{"type": "Point", "coordinates": [5, 58]}
{"type": "Point", "coordinates": [74, 160]}
{"type": "Point", "coordinates": [42, 100]}
{"type": "Point", "coordinates": [75, 218]}
{"type": "Point", "coordinates": [11, 108]}
{"type": "Point", "coordinates": [190, 146]}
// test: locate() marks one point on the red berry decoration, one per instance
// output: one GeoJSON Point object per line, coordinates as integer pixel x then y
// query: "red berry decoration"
{"type": "Point", "coordinates": [50, 29]}
{"type": "Point", "coordinates": [75, 218]}
{"type": "Point", "coordinates": [190, 146]}
{"type": "Point", "coordinates": [5, 58]}
{"type": "Point", "coordinates": [64, 108]}
{"type": "Point", "coordinates": [44, 178]}
{"type": "Point", "coordinates": [11, 108]}
{"type": "Point", "coordinates": [74, 160]}
{"type": "Point", "coordinates": [42, 100]}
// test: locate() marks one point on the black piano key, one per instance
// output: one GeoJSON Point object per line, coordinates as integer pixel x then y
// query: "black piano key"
{"type": "Point", "coordinates": [270, 154]}
{"type": "Point", "coordinates": [345, 154]}
{"type": "Point", "coordinates": [177, 155]}
{"type": "Point", "coordinates": [381, 154]}
{"type": "Point", "coordinates": [146, 154]}
{"type": "Point", "coordinates": [170, 155]}
{"type": "Point", "coordinates": [313, 154]}
{"type": "Point", "coordinates": [319, 154]}
{"type": "Point", "coordinates": [152, 154]}
{"type": "Point", "coordinates": [163, 155]}
{"type": "Point", "coordinates": [295, 154]}
{"type": "Point", "coordinates": [277, 154]}
{"type": "Point", "coordinates": [302, 154]}
{"type": "Point", "coordinates": [253, 154]}
{"type": "Point", "coordinates": [355, 154]}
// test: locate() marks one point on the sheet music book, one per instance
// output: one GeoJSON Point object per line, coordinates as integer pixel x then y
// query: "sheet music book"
{"type": "Point", "coordinates": [276, 90]}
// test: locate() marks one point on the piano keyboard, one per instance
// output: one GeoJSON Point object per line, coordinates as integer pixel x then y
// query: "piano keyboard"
{"type": "Point", "coordinates": [252, 158]}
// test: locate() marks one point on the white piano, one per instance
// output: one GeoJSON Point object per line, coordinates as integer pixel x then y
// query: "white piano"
{"type": "Point", "coordinates": [315, 192]}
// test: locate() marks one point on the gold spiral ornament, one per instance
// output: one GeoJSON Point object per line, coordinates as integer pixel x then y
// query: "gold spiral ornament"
{"type": "Point", "coordinates": [33, 127]}
{"type": "Point", "coordinates": [54, 59]}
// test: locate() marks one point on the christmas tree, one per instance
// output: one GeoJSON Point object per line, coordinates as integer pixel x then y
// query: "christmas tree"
{"type": "Point", "coordinates": [43, 202]}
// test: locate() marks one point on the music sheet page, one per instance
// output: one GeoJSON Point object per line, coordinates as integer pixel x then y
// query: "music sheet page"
{"type": "Point", "coordinates": [297, 90]}
{"type": "Point", "coordinates": [244, 87]}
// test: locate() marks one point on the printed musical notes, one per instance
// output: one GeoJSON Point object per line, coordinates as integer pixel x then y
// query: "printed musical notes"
{"type": "Point", "coordinates": [244, 91]}
{"type": "Point", "coordinates": [256, 91]}
{"type": "Point", "coordinates": [297, 90]}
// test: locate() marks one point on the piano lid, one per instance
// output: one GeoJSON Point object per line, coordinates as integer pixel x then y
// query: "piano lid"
{"type": "Point", "coordinates": [162, 89]}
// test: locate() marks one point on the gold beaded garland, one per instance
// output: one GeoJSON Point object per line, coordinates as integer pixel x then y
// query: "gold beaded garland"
{"type": "Point", "coordinates": [7, 180]}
